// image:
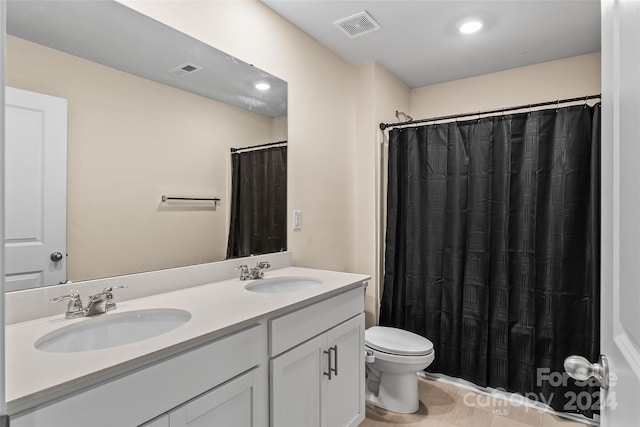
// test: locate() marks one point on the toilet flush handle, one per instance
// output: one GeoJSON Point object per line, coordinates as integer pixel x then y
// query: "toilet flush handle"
{"type": "Point", "coordinates": [369, 357]}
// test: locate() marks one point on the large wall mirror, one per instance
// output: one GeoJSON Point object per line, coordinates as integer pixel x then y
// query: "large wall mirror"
{"type": "Point", "coordinates": [150, 112]}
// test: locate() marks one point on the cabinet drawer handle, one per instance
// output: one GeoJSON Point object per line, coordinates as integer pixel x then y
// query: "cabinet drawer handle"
{"type": "Point", "coordinates": [335, 359]}
{"type": "Point", "coordinates": [328, 353]}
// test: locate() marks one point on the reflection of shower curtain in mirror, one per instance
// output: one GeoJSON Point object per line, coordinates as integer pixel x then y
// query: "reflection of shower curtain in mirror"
{"type": "Point", "coordinates": [258, 202]}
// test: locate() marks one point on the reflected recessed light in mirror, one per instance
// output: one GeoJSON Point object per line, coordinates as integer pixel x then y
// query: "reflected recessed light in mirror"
{"type": "Point", "coordinates": [470, 27]}
{"type": "Point", "coordinates": [263, 86]}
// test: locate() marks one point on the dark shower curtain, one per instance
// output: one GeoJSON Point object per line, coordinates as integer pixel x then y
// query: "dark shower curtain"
{"type": "Point", "coordinates": [493, 247]}
{"type": "Point", "coordinates": [258, 202]}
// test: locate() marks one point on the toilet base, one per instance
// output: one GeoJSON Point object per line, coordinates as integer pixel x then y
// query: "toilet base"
{"type": "Point", "coordinates": [397, 393]}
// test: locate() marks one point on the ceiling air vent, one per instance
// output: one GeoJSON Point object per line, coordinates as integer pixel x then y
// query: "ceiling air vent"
{"type": "Point", "coordinates": [358, 25]}
{"type": "Point", "coordinates": [184, 69]}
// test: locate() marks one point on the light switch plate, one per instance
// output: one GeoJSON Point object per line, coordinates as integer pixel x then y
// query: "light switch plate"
{"type": "Point", "coordinates": [297, 220]}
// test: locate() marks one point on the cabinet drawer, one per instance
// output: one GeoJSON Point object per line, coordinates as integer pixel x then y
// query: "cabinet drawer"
{"type": "Point", "coordinates": [291, 329]}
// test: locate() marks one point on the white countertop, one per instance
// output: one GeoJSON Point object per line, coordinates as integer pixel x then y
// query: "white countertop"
{"type": "Point", "coordinates": [34, 377]}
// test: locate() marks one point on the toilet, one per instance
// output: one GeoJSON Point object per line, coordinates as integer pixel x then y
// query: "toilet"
{"type": "Point", "coordinates": [393, 357]}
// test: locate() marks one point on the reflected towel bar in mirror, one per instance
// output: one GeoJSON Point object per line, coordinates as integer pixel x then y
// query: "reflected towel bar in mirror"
{"type": "Point", "coordinates": [215, 200]}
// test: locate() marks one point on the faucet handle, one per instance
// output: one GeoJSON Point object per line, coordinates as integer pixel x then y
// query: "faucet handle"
{"type": "Point", "coordinates": [110, 289]}
{"type": "Point", "coordinates": [263, 264]}
{"type": "Point", "coordinates": [74, 308]}
{"type": "Point", "coordinates": [72, 296]}
{"type": "Point", "coordinates": [244, 271]}
{"type": "Point", "coordinates": [109, 296]}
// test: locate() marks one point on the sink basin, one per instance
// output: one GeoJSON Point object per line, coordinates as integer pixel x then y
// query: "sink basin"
{"type": "Point", "coordinates": [113, 329]}
{"type": "Point", "coordinates": [278, 285]}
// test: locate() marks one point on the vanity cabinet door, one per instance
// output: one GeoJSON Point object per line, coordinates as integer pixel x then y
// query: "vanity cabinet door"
{"type": "Point", "coordinates": [297, 383]}
{"type": "Point", "coordinates": [231, 404]}
{"type": "Point", "coordinates": [345, 389]}
{"type": "Point", "coordinates": [302, 391]}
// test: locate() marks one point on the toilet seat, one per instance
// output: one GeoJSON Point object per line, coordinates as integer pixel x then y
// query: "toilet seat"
{"type": "Point", "coordinates": [423, 359]}
{"type": "Point", "coordinates": [397, 341]}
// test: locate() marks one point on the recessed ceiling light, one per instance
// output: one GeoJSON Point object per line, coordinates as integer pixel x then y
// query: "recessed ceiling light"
{"type": "Point", "coordinates": [263, 86]}
{"type": "Point", "coordinates": [470, 27]}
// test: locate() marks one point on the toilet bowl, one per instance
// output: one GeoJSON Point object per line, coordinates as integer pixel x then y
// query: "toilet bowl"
{"type": "Point", "coordinates": [393, 357]}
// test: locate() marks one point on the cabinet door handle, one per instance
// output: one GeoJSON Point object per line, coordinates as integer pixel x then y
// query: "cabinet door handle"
{"type": "Point", "coordinates": [335, 359]}
{"type": "Point", "coordinates": [328, 353]}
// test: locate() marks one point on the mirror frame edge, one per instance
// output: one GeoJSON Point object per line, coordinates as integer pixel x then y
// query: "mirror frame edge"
{"type": "Point", "coordinates": [3, 32]}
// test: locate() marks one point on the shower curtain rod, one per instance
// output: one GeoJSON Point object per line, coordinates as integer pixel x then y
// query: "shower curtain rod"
{"type": "Point", "coordinates": [254, 147]}
{"type": "Point", "coordinates": [384, 126]}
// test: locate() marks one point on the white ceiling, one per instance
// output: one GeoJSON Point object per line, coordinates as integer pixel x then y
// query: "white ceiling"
{"type": "Point", "coordinates": [419, 42]}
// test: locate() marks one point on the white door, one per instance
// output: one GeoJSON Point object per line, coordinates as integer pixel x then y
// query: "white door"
{"type": "Point", "coordinates": [620, 329]}
{"type": "Point", "coordinates": [35, 198]}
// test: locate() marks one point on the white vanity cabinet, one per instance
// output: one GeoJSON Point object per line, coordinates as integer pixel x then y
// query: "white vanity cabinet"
{"type": "Point", "coordinates": [317, 364]}
{"type": "Point", "coordinates": [299, 362]}
{"type": "Point", "coordinates": [216, 382]}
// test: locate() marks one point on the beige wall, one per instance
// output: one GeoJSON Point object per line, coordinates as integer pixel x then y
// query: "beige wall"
{"type": "Point", "coordinates": [566, 78]}
{"type": "Point", "coordinates": [279, 129]}
{"type": "Point", "coordinates": [379, 95]}
{"type": "Point", "coordinates": [130, 141]}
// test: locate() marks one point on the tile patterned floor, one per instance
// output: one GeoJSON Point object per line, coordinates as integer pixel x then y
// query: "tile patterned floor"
{"type": "Point", "coordinates": [453, 406]}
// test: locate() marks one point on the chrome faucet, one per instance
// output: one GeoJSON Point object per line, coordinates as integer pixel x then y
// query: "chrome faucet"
{"type": "Point", "coordinates": [256, 272]}
{"type": "Point", "coordinates": [98, 303]}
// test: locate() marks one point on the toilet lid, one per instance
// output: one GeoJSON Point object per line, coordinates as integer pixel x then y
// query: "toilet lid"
{"type": "Point", "coordinates": [397, 341]}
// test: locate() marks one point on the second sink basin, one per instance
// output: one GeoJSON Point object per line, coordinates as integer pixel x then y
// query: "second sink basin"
{"type": "Point", "coordinates": [114, 329]}
{"type": "Point", "coordinates": [278, 285]}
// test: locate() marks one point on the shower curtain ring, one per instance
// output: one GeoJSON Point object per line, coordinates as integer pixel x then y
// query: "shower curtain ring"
{"type": "Point", "coordinates": [557, 104]}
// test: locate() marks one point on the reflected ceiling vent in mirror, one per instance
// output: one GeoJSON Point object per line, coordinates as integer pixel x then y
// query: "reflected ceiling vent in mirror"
{"type": "Point", "coordinates": [185, 69]}
{"type": "Point", "coordinates": [358, 25]}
